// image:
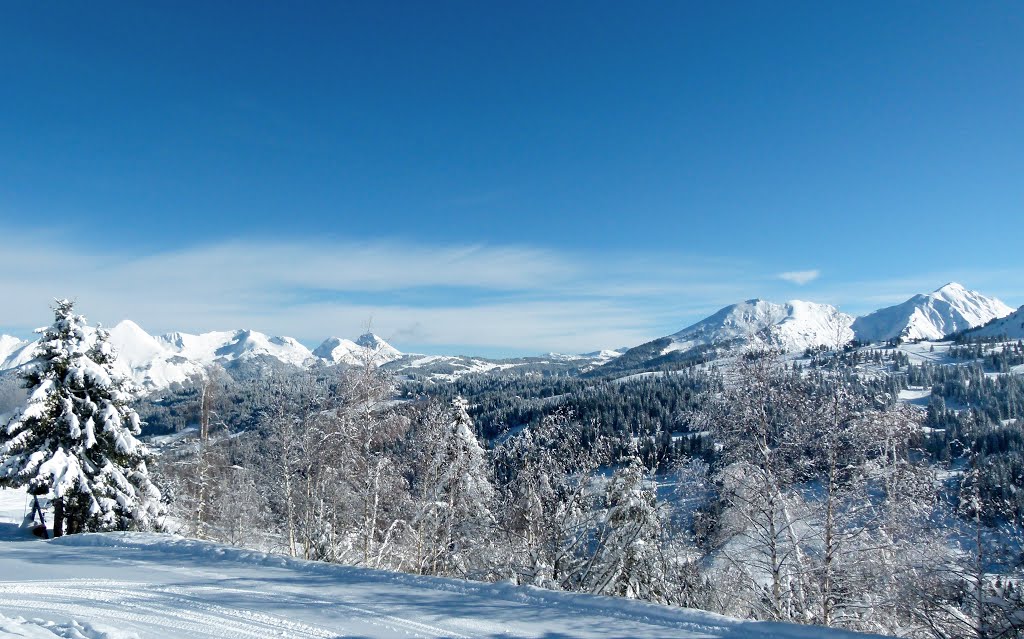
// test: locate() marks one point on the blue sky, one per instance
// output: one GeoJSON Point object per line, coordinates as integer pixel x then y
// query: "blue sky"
{"type": "Point", "coordinates": [503, 178]}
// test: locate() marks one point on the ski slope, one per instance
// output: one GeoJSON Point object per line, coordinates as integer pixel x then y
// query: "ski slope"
{"type": "Point", "coordinates": [137, 585]}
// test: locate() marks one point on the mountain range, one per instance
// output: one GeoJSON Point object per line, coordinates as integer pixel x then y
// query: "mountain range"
{"type": "Point", "coordinates": [156, 362]}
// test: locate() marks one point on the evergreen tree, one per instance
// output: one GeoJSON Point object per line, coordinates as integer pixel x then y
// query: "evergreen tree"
{"type": "Point", "coordinates": [630, 562]}
{"type": "Point", "coordinates": [452, 491]}
{"type": "Point", "coordinates": [75, 438]}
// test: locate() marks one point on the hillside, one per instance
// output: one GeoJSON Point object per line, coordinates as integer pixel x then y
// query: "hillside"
{"type": "Point", "coordinates": [1011, 327]}
{"type": "Point", "coordinates": [124, 585]}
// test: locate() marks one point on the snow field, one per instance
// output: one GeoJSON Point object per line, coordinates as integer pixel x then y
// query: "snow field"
{"type": "Point", "coordinates": [142, 585]}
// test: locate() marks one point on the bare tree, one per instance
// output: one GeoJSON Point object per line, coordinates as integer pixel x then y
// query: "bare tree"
{"type": "Point", "coordinates": [760, 423]}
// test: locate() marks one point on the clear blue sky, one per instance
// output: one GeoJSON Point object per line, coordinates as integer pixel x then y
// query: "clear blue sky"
{"type": "Point", "coordinates": [567, 175]}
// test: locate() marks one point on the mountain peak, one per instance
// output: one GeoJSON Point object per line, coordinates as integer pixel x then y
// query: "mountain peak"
{"type": "Point", "coordinates": [15, 352]}
{"type": "Point", "coordinates": [951, 287]}
{"type": "Point", "coordinates": [950, 309]}
{"type": "Point", "coordinates": [382, 351]}
{"type": "Point", "coordinates": [370, 340]}
{"type": "Point", "coordinates": [129, 325]}
{"type": "Point", "coordinates": [337, 350]}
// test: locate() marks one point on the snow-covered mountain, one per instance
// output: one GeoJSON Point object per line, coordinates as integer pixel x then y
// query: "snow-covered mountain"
{"type": "Point", "coordinates": [155, 362]}
{"type": "Point", "coordinates": [338, 350]}
{"type": "Point", "coordinates": [793, 326]}
{"type": "Point", "coordinates": [947, 310]}
{"type": "Point", "coordinates": [380, 350]}
{"type": "Point", "coordinates": [14, 352]}
{"type": "Point", "coordinates": [229, 346]}
{"type": "Point", "coordinates": [1011, 326]}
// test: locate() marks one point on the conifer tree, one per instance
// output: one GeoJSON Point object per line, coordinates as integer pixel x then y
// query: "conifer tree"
{"type": "Point", "coordinates": [452, 490]}
{"type": "Point", "coordinates": [75, 437]}
{"type": "Point", "coordinates": [629, 562]}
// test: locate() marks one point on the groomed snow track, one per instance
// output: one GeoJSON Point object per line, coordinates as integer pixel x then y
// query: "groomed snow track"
{"type": "Point", "coordinates": [124, 585]}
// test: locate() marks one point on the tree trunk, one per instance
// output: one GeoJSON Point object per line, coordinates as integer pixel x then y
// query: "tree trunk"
{"type": "Point", "coordinates": [58, 517]}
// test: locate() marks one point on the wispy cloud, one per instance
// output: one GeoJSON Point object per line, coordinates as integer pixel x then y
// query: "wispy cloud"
{"type": "Point", "coordinates": [484, 297]}
{"type": "Point", "coordinates": [427, 298]}
{"type": "Point", "coordinates": [800, 277]}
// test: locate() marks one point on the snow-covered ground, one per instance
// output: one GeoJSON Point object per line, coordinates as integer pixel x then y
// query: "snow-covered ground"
{"type": "Point", "coordinates": [120, 586]}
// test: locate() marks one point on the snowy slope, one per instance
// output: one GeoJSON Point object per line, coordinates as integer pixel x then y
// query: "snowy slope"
{"type": "Point", "coordinates": [338, 350]}
{"type": "Point", "coordinates": [14, 352]}
{"type": "Point", "coordinates": [947, 310]}
{"type": "Point", "coordinates": [795, 325]}
{"type": "Point", "coordinates": [809, 324]}
{"type": "Point", "coordinates": [378, 348]}
{"type": "Point", "coordinates": [148, 360]}
{"type": "Point", "coordinates": [1011, 326]}
{"type": "Point", "coordinates": [120, 586]}
{"type": "Point", "coordinates": [441, 368]}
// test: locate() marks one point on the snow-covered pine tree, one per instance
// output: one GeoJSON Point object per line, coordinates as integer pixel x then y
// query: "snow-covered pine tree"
{"type": "Point", "coordinates": [547, 509]}
{"type": "Point", "coordinates": [630, 562]}
{"type": "Point", "coordinates": [452, 492]}
{"type": "Point", "coordinates": [75, 438]}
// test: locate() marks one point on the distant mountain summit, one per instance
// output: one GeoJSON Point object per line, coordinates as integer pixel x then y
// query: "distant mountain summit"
{"type": "Point", "coordinates": [155, 362]}
{"type": "Point", "coordinates": [947, 310]}
{"type": "Point", "coordinates": [793, 326]}
{"type": "Point", "coordinates": [381, 350]}
{"type": "Point", "coordinates": [337, 350]}
{"type": "Point", "coordinates": [14, 352]}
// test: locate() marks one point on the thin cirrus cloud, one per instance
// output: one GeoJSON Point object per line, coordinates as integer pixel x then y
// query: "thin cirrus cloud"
{"type": "Point", "coordinates": [490, 299]}
{"type": "Point", "coordinates": [800, 277]}
{"type": "Point", "coordinates": [471, 299]}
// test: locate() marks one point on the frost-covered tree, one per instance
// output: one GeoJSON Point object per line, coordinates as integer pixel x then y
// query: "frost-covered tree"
{"type": "Point", "coordinates": [451, 491]}
{"type": "Point", "coordinates": [761, 424]}
{"type": "Point", "coordinates": [368, 429]}
{"type": "Point", "coordinates": [630, 562]}
{"type": "Point", "coordinates": [972, 588]}
{"type": "Point", "coordinates": [75, 438]}
{"type": "Point", "coordinates": [549, 511]}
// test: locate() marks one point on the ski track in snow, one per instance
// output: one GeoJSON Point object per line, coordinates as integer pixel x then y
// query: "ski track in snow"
{"type": "Point", "coordinates": [150, 608]}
